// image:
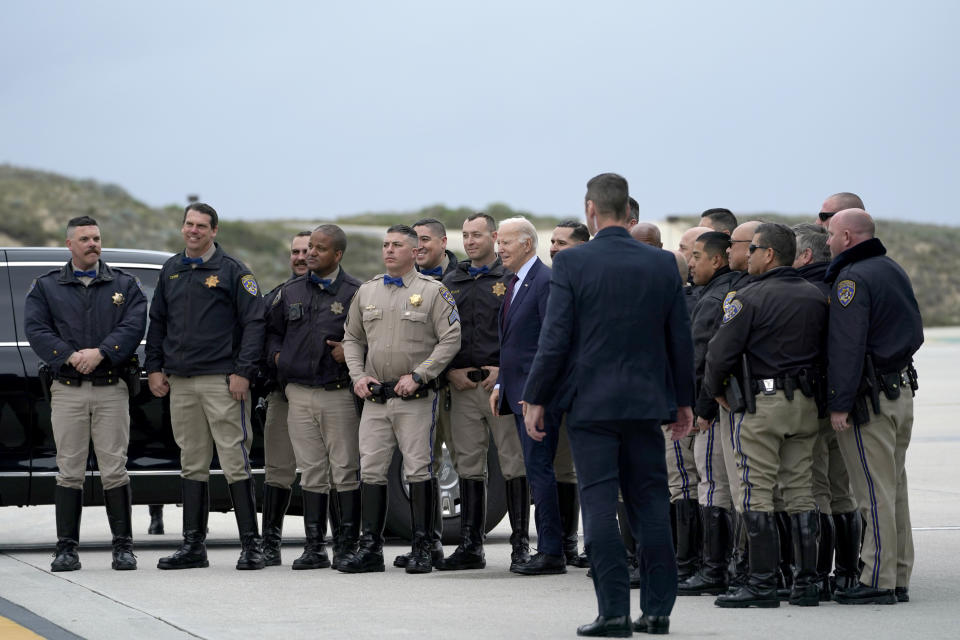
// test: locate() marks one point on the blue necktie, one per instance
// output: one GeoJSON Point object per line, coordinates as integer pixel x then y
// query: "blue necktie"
{"type": "Point", "coordinates": [314, 278]}
{"type": "Point", "coordinates": [186, 260]}
{"type": "Point", "coordinates": [388, 280]}
{"type": "Point", "coordinates": [436, 272]}
{"type": "Point", "coordinates": [85, 274]}
{"type": "Point", "coordinates": [475, 271]}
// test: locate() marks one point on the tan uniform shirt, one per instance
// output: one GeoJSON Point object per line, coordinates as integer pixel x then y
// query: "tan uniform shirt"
{"type": "Point", "coordinates": [392, 331]}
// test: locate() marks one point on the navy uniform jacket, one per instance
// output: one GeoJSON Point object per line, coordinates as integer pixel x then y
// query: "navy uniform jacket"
{"type": "Point", "coordinates": [205, 320]}
{"type": "Point", "coordinates": [814, 273]}
{"type": "Point", "coordinates": [479, 299]}
{"type": "Point", "coordinates": [617, 311]}
{"type": "Point", "coordinates": [451, 266]}
{"type": "Point", "coordinates": [704, 323]}
{"type": "Point", "coordinates": [872, 311]}
{"type": "Point", "coordinates": [779, 321]}
{"type": "Point", "coordinates": [303, 315]}
{"type": "Point", "coordinates": [519, 333]}
{"type": "Point", "coordinates": [62, 316]}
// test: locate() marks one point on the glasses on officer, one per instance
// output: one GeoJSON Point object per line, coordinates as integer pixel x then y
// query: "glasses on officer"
{"type": "Point", "coordinates": [826, 215]}
{"type": "Point", "coordinates": [754, 247]}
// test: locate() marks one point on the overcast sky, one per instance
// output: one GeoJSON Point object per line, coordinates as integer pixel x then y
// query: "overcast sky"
{"type": "Point", "coordinates": [310, 109]}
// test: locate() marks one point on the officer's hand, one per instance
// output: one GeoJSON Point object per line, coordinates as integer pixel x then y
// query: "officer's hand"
{"type": "Point", "coordinates": [459, 379]}
{"type": "Point", "coordinates": [91, 359]}
{"type": "Point", "coordinates": [159, 386]}
{"type": "Point", "coordinates": [336, 351]}
{"type": "Point", "coordinates": [360, 387]}
{"type": "Point", "coordinates": [703, 424]}
{"type": "Point", "coordinates": [405, 386]}
{"type": "Point", "coordinates": [722, 401]}
{"type": "Point", "coordinates": [492, 374]}
{"type": "Point", "coordinates": [533, 420]}
{"type": "Point", "coordinates": [839, 420]}
{"type": "Point", "coordinates": [684, 424]}
{"type": "Point", "coordinates": [239, 386]}
{"type": "Point", "coordinates": [494, 401]}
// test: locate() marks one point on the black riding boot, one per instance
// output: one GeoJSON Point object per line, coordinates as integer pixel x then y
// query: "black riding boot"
{"type": "Point", "coordinates": [369, 555]}
{"type": "Point", "coordinates": [333, 512]}
{"type": "Point", "coordinates": [805, 528]}
{"type": "Point", "coordinates": [315, 528]}
{"type": "Point", "coordinates": [711, 578]}
{"type": "Point", "coordinates": [739, 571]}
{"type": "Point", "coordinates": [764, 550]}
{"type": "Point", "coordinates": [518, 508]}
{"type": "Point", "coordinates": [436, 533]}
{"type": "Point", "coordinates": [785, 575]}
{"type": "Point", "coordinates": [69, 506]}
{"type": "Point", "coordinates": [688, 538]}
{"type": "Point", "coordinates": [245, 509]}
{"type": "Point", "coordinates": [568, 496]}
{"type": "Point", "coordinates": [275, 504]}
{"type": "Point", "coordinates": [196, 509]}
{"type": "Point", "coordinates": [825, 557]}
{"type": "Point", "coordinates": [118, 502]}
{"type": "Point", "coordinates": [423, 512]}
{"type": "Point", "coordinates": [156, 520]}
{"type": "Point", "coordinates": [473, 507]}
{"type": "Point", "coordinates": [849, 529]}
{"type": "Point", "coordinates": [348, 508]}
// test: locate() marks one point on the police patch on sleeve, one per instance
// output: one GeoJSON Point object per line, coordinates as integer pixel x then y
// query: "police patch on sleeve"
{"type": "Point", "coordinates": [250, 284]}
{"type": "Point", "coordinates": [846, 289]}
{"type": "Point", "coordinates": [33, 286]}
{"type": "Point", "coordinates": [139, 284]}
{"type": "Point", "coordinates": [728, 299]}
{"type": "Point", "coordinates": [276, 298]}
{"type": "Point", "coordinates": [454, 316]}
{"type": "Point", "coordinates": [446, 295]}
{"type": "Point", "coordinates": [731, 310]}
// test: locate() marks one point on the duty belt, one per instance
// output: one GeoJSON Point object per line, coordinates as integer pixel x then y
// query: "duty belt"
{"type": "Point", "coordinates": [339, 384]}
{"type": "Point", "coordinates": [384, 391]}
{"type": "Point", "coordinates": [107, 379]}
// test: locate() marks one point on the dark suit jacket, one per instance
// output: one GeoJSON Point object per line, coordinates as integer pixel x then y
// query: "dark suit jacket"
{"type": "Point", "coordinates": [617, 328]}
{"type": "Point", "coordinates": [519, 333]}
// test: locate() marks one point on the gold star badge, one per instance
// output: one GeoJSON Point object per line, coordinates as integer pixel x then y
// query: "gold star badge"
{"type": "Point", "coordinates": [212, 281]}
{"type": "Point", "coordinates": [117, 298]}
{"type": "Point", "coordinates": [416, 299]}
{"type": "Point", "coordinates": [499, 289]}
{"type": "Point", "coordinates": [336, 308]}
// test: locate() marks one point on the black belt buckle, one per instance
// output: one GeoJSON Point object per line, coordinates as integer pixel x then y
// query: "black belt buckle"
{"type": "Point", "coordinates": [477, 375]}
{"type": "Point", "coordinates": [768, 386]}
{"type": "Point", "coordinates": [376, 393]}
{"type": "Point", "coordinates": [336, 386]}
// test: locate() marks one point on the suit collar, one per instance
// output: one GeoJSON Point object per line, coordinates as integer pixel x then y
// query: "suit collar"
{"type": "Point", "coordinates": [611, 231]}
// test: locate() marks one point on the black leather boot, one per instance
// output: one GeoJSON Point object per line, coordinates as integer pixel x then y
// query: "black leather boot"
{"type": "Point", "coordinates": [568, 496]}
{"type": "Point", "coordinates": [196, 509]}
{"type": "Point", "coordinates": [333, 512]}
{"type": "Point", "coordinates": [688, 538]}
{"type": "Point", "coordinates": [69, 506]}
{"type": "Point", "coordinates": [739, 570]}
{"type": "Point", "coordinates": [315, 528]}
{"type": "Point", "coordinates": [849, 528]}
{"type": "Point", "coordinates": [711, 578]}
{"type": "Point", "coordinates": [245, 509]}
{"type": "Point", "coordinates": [423, 512]}
{"type": "Point", "coordinates": [473, 508]}
{"type": "Point", "coordinates": [436, 534]}
{"type": "Point", "coordinates": [518, 509]}
{"type": "Point", "coordinates": [369, 554]}
{"type": "Point", "coordinates": [118, 502]}
{"type": "Point", "coordinates": [785, 575]}
{"type": "Point", "coordinates": [156, 520]}
{"type": "Point", "coordinates": [805, 528]}
{"type": "Point", "coordinates": [275, 504]}
{"type": "Point", "coordinates": [764, 550]}
{"type": "Point", "coordinates": [348, 507]}
{"type": "Point", "coordinates": [825, 557]}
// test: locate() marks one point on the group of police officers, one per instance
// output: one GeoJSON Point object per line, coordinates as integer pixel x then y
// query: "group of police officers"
{"type": "Point", "coordinates": [803, 339]}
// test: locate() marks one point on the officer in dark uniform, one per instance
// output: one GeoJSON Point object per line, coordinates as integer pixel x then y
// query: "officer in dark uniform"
{"type": "Point", "coordinates": [875, 328]}
{"type": "Point", "coordinates": [85, 321]}
{"type": "Point", "coordinates": [204, 344]}
{"type": "Point", "coordinates": [771, 338]}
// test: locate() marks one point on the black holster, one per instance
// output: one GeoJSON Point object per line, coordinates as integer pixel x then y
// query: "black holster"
{"type": "Point", "coordinates": [46, 380]}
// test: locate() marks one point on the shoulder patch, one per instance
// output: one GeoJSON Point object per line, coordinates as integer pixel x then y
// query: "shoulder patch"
{"type": "Point", "coordinates": [139, 284]}
{"type": "Point", "coordinates": [446, 295]}
{"type": "Point", "coordinates": [731, 310]}
{"type": "Point", "coordinates": [454, 316]}
{"type": "Point", "coordinates": [33, 285]}
{"type": "Point", "coordinates": [846, 289]}
{"type": "Point", "coordinates": [250, 284]}
{"type": "Point", "coordinates": [276, 298]}
{"type": "Point", "coordinates": [728, 299]}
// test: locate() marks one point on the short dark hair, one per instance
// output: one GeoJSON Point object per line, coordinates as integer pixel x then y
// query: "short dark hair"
{"type": "Point", "coordinates": [580, 231]}
{"type": "Point", "coordinates": [634, 208]}
{"type": "Point", "coordinates": [722, 219]}
{"type": "Point", "coordinates": [715, 243]}
{"type": "Point", "coordinates": [781, 239]}
{"type": "Point", "coordinates": [204, 208]}
{"type": "Point", "coordinates": [609, 193]}
{"type": "Point", "coordinates": [491, 223]}
{"type": "Point", "coordinates": [405, 230]}
{"type": "Point", "coordinates": [336, 234]}
{"type": "Point", "coordinates": [301, 234]}
{"type": "Point", "coordinates": [435, 225]}
{"type": "Point", "coordinates": [80, 221]}
{"type": "Point", "coordinates": [813, 237]}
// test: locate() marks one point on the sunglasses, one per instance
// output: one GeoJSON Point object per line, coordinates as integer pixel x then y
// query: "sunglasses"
{"type": "Point", "coordinates": [826, 215]}
{"type": "Point", "coordinates": [754, 247]}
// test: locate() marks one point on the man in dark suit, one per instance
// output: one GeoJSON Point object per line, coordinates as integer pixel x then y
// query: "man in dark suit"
{"type": "Point", "coordinates": [616, 349]}
{"type": "Point", "coordinates": [522, 314]}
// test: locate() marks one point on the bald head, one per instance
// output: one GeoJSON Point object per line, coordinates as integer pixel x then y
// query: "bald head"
{"type": "Point", "coordinates": [849, 228]}
{"type": "Point", "coordinates": [681, 265]}
{"type": "Point", "coordinates": [838, 202]}
{"type": "Point", "coordinates": [688, 238]}
{"type": "Point", "coordinates": [647, 233]}
{"type": "Point", "coordinates": [740, 240]}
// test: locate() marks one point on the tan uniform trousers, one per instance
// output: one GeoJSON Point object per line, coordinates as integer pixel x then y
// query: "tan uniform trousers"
{"type": "Point", "coordinates": [713, 489]}
{"type": "Point", "coordinates": [471, 425]}
{"type": "Point", "coordinates": [727, 425]}
{"type": "Point", "coordinates": [204, 414]}
{"type": "Point", "coordinates": [83, 413]}
{"type": "Point", "coordinates": [875, 454]}
{"type": "Point", "coordinates": [279, 462]}
{"type": "Point", "coordinates": [563, 461]}
{"type": "Point", "coordinates": [407, 424]}
{"type": "Point", "coordinates": [775, 448]}
{"type": "Point", "coordinates": [831, 483]}
{"type": "Point", "coordinates": [682, 475]}
{"type": "Point", "coordinates": [324, 429]}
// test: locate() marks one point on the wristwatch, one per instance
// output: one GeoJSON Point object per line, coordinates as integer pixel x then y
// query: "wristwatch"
{"type": "Point", "coordinates": [416, 377]}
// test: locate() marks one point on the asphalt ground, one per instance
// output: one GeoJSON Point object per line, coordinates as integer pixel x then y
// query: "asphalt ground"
{"type": "Point", "coordinates": [221, 602]}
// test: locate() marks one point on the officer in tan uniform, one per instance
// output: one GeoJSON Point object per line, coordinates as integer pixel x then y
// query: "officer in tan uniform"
{"type": "Point", "coordinates": [402, 330]}
{"type": "Point", "coordinates": [85, 320]}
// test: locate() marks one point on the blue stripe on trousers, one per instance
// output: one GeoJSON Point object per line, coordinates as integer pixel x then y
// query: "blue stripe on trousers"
{"type": "Point", "coordinates": [745, 474]}
{"type": "Point", "coordinates": [875, 576]}
{"type": "Point", "coordinates": [685, 485]}
{"type": "Point", "coordinates": [709, 464]}
{"type": "Point", "coordinates": [433, 427]}
{"type": "Point", "coordinates": [243, 447]}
